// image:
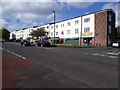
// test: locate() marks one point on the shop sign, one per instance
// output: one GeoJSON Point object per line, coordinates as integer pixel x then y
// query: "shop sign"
{"type": "Point", "coordinates": [87, 34]}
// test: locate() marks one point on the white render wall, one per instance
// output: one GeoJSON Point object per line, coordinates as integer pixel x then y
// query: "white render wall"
{"type": "Point", "coordinates": [72, 28]}
{"type": "Point", "coordinates": [90, 24]}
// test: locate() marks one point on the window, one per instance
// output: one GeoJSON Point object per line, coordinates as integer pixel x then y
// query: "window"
{"type": "Point", "coordinates": [62, 25]}
{"type": "Point", "coordinates": [68, 23]}
{"type": "Point", "coordinates": [56, 26]}
{"type": "Point", "coordinates": [76, 31]}
{"type": "Point", "coordinates": [76, 22]}
{"type": "Point", "coordinates": [47, 27]}
{"type": "Point", "coordinates": [62, 32]}
{"type": "Point", "coordinates": [87, 29]}
{"type": "Point", "coordinates": [51, 27]}
{"type": "Point", "coordinates": [56, 33]}
{"type": "Point", "coordinates": [52, 34]}
{"type": "Point", "coordinates": [86, 20]}
{"type": "Point", "coordinates": [110, 17]}
{"type": "Point", "coordinates": [68, 31]}
{"type": "Point", "coordinates": [109, 27]}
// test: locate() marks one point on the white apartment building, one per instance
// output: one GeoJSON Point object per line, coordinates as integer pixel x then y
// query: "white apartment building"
{"type": "Point", "coordinates": [79, 30]}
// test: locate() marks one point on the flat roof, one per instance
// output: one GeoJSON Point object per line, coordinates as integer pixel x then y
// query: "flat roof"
{"type": "Point", "coordinates": [71, 18]}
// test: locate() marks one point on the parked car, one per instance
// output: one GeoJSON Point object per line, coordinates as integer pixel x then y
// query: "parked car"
{"type": "Point", "coordinates": [116, 44]}
{"type": "Point", "coordinates": [25, 42]}
{"type": "Point", "coordinates": [18, 40]}
{"type": "Point", "coordinates": [44, 43]}
{"type": "Point", "coordinates": [12, 40]}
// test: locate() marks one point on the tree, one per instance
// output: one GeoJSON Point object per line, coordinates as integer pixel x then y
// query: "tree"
{"type": "Point", "coordinates": [38, 33]}
{"type": "Point", "coordinates": [4, 34]}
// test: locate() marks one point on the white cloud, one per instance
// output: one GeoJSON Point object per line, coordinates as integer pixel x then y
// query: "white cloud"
{"type": "Point", "coordinates": [3, 23]}
{"type": "Point", "coordinates": [115, 8]}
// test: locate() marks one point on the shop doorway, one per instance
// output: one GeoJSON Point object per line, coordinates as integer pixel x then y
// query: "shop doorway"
{"type": "Point", "coordinates": [87, 41]}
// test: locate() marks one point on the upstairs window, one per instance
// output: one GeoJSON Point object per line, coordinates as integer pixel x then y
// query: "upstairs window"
{"type": "Point", "coordinates": [68, 23]}
{"type": "Point", "coordinates": [56, 33]}
{"type": "Point", "coordinates": [110, 17]}
{"type": "Point", "coordinates": [76, 31]}
{"type": "Point", "coordinates": [51, 27]}
{"type": "Point", "coordinates": [62, 25]}
{"type": "Point", "coordinates": [56, 26]}
{"type": "Point", "coordinates": [86, 20]}
{"type": "Point", "coordinates": [52, 34]}
{"type": "Point", "coordinates": [109, 27]}
{"type": "Point", "coordinates": [62, 32]}
{"type": "Point", "coordinates": [87, 29]}
{"type": "Point", "coordinates": [68, 31]}
{"type": "Point", "coordinates": [76, 22]}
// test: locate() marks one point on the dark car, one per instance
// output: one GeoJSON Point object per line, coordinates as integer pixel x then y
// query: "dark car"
{"type": "Point", "coordinates": [25, 43]}
{"type": "Point", "coordinates": [18, 40]}
{"type": "Point", "coordinates": [44, 43]}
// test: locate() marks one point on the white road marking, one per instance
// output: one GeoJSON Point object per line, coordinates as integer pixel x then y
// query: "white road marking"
{"type": "Point", "coordinates": [113, 56]}
{"type": "Point", "coordinates": [23, 57]}
{"type": "Point", "coordinates": [13, 53]}
{"type": "Point", "coordinates": [48, 48]}
{"type": "Point", "coordinates": [96, 54]}
{"type": "Point", "coordinates": [86, 53]}
{"type": "Point", "coordinates": [102, 55]}
{"type": "Point", "coordinates": [114, 53]}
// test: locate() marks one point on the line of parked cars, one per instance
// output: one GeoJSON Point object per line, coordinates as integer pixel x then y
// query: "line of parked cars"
{"type": "Point", "coordinates": [43, 43]}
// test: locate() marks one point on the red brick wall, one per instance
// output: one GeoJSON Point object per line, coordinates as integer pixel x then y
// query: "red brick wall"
{"type": "Point", "coordinates": [101, 29]}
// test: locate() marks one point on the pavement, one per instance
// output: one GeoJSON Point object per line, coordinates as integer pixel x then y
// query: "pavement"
{"type": "Point", "coordinates": [36, 67]}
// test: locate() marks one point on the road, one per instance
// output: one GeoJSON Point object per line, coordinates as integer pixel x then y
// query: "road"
{"type": "Point", "coordinates": [73, 67]}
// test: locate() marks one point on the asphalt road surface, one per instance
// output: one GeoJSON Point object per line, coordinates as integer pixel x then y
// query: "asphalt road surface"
{"type": "Point", "coordinates": [78, 67]}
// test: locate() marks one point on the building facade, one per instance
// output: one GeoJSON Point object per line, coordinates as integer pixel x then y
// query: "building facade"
{"type": "Point", "coordinates": [96, 29]}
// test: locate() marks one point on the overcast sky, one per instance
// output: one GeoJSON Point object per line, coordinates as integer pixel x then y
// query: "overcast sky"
{"type": "Point", "coordinates": [17, 15]}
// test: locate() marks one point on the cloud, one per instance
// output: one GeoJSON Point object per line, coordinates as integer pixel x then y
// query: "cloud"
{"type": "Point", "coordinates": [3, 23]}
{"type": "Point", "coordinates": [115, 8]}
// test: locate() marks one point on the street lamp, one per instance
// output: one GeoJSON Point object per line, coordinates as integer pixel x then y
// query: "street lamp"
{"type": "Point", "coordinates": [54, 27]}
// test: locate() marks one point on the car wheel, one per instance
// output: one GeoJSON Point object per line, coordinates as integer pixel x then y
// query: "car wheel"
{"type": "Point", "coordinates": [36, 45]}
{"type": "Point", "coordinates": [41, 45]}
{"type": "Point", "coordinates": [23, 44]}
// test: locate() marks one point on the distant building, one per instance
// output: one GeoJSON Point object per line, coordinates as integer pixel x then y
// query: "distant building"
{"type": "Point", "coordinates": [96, 29]}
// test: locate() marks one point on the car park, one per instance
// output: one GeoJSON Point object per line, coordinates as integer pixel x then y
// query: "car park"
{"type": "Point", "coordinates": [25, 42]}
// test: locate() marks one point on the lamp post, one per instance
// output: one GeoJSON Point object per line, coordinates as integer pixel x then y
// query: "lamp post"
{"type": "Point", "coordinates": [54, 27]}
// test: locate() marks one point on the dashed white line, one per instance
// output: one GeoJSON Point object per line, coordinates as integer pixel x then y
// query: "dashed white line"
{"type": "Point", "coordinates": [86, 53]}
{"type": "Point", "coordinates": [48, 48]}
{"type": "Point", "coordinates": [23, 57]}
{"type": "Point", "coordinates": [113, 56]}
{"type": "Point", "coordinates": [102, 55]}
{"type": "Point", "coordinates": [13, 53]}
{"type": "Point", "coordinates": [96, 54]}
{"type": "Point", "coordinates": [114, 53]}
